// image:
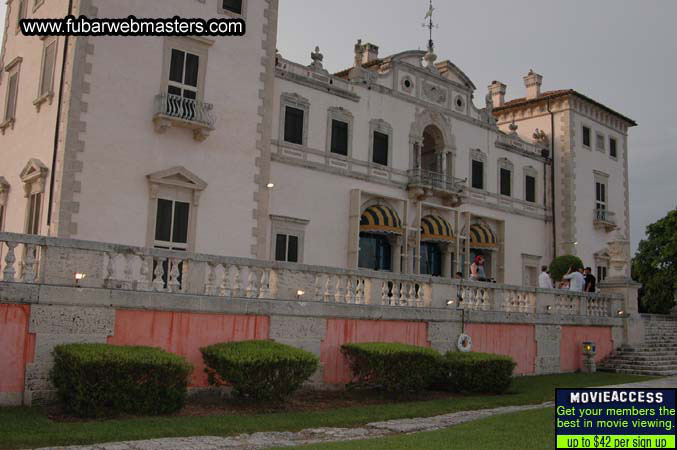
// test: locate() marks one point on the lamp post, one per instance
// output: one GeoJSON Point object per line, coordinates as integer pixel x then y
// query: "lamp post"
{"type": "Point", "coordinates": [589, 352]}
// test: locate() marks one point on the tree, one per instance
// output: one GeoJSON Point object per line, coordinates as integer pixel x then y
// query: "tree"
{"type": "Point", "coordinates": [560, 266]}
{"type": "Point", "coordinates": [655, 266]}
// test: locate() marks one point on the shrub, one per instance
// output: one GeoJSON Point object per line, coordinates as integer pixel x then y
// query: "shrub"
{"type": "Point", "coordinates": [393, 367]}
{"type": "Point", "coordinates": [95, 379]}
{"type": "Point", "coordinates": [478, 372]}
{"type": "Point", "coordinates": [259, 370]}
{"type": "Point", "coordinates": [560, 266]}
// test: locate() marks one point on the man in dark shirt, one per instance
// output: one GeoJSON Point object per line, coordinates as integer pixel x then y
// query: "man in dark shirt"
{"type": "Point", "coordinates": [590, 281]}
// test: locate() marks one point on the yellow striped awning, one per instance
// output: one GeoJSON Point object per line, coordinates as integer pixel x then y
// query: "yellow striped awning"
{"type": "Point", "coordinates": [435, 228]}
{"type": "Point", "coordinates": [381, 218]}
{"type": "Point", "coordinates": [481, 236]}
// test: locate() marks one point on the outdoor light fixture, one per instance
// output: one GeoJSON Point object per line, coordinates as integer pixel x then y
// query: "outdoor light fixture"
{"type": "Point", "coordinates": [549, 308]}
{"type": "Point", "coordinates": [79, 276]}
{"type": "Point", "coordinates": [300, 293]}
{"type": "Point", "coordinates": [589, 352]}
{"type": "Point", "coordinates": [621, 313]}
{"type": "Point", "coordinates": [450, 302]}
{"type": "Point", "coordinates": [270, 185]}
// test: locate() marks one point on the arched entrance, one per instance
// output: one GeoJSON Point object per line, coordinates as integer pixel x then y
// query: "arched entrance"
{"type": "Point", "coordinates": [431, 152]}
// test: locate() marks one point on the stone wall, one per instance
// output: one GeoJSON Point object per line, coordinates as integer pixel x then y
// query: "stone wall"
{"type": "Point", "coordinates": [181, 323]}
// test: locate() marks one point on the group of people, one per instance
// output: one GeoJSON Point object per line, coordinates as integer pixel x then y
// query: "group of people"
{"type": "Point", "coordinates": [581, 280]}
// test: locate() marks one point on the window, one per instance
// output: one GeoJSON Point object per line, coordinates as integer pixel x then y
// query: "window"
{"type": "Point", "coordinates": [13, 70]}
{"type": "Point", "coordinates": [599, 142]}
{"type": "Point", "coordinates": [505, 182]}
{"type": "Point", "coordinates": [33, 177]}
{"type": "Point", "coordinates": [12, 92]}
{"type": "Point", "coordinates": [613, 152]}
{"type": "Point", "coordinates": [530, 189]}
{"type": "Point", "coordinates": [287, 248]}
{"type": "Point", "coordinates": [184, 68]}
{"type": "Point", "coordinates": [172, 213]}
{"type": "Point", "coordinates": [339, 137]}
{"type": "Point", "coordinates": [477, 174]}
{"type": "Point", "coordinates": [294, 114]}
{"type": "Point", "coordinates": [47, 74]}
{"type": "Point", "coordinates": [293, 125]}
{"type": "Point", "coordinates": [601, 273]}
{"type": "Point", "coordinates": [23, 6]}
{"type": "Point", "coordinates": [586, 136]}
{"type": "Point", "coordinates": [232, 6]}
{"type": "Point", "coordinates": [4, 193]}
{"type": "Point", "coordinates": [375, 252]}
{"type": "Point", "coordinates": [33, 216]}
{"type": "Point", "coordinates": [600, 195]}
{"type": "Point", "coordinates": [380, 150]}
{"type": "Point", "coordinates": [171, 224]}
{"type": "Point", "coordinates": [431, 259]}
{"type": "Point", "coordinates": [380, 142]}
{"type": "Point", "coordinates": [288, 235]}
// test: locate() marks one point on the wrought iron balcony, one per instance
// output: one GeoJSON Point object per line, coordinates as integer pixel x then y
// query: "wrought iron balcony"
{"type": "Point", "coordinates": [435, 183]}
{"type": "Point", "coordinates": [604, 218]}
{"type": "Point", "coordinates": [174, 110]}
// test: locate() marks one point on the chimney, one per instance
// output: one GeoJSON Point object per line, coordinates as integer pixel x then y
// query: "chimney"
{"type": "Point", "coordinates": [497, 91]}
{"type": "Point", "coordinates": [533, 83]}
{"type": "Point", "coordinates": [365, 53]}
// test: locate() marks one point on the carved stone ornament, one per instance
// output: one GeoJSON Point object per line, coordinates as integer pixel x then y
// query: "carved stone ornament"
{"type": "Point", "coordinates": [434, 93]}
{"type": "Point", "coordinates": [619, 256]}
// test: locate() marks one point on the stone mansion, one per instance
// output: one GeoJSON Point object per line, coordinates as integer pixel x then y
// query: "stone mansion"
{"type": "Point", "coordinates": [223, 146]}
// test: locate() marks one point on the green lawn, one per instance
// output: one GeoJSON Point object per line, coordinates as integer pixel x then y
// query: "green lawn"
{"type": "Point", "coordinates": [29, 427]}
{"type": "Point", "coordinates": [523, 431]}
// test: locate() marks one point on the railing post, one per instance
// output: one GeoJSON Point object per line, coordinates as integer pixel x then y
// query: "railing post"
{"type": "Point", "coordinates": [9, 272]}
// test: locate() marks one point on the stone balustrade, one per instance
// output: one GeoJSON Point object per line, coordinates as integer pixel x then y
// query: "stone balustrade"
{"type": "Point", "coordinates": [31, 259]}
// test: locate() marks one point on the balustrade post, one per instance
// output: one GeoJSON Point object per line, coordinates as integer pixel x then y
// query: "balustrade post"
{"type": "Point", "coordinates": [145, 282]}
{"type": "Point", "coordinates": [9, 272]}
{"type": "Point", "coordinates": [251, 284]}
{"type": "Point", "coordinates": [319, 293]}
{"type": "Point", "coordinates": [29, 264]}
{"type": "Point", "coordinates": [110, 270]}
{"type": "Point", "coordinates": [158, 282]}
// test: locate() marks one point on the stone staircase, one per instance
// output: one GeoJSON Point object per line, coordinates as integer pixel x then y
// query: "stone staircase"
{"type": "Point", "coordinates": [658, 354]}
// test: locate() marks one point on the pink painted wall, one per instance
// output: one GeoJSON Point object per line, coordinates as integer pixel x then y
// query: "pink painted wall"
{"type": "Point", "coordinates": [571, 345]}
{"type": "Point", "coordinates": [17, 346]}
{"type": "Point", "coordinates": [343, 331]}
{"type": "Point", "coordinates": [517, 341]}
{"type": "Point", "coordinates": [185, 333]}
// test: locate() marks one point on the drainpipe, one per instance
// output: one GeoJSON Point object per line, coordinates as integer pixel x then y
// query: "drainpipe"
{"type": "Point", "coordinates": [58, 121]}
{"type": "Point", "coordinates": [552, 181]}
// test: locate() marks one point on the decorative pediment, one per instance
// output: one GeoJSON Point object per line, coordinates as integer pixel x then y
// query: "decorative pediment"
{"type": "Point", "coordinates": [33, 170]}
{"type": "Point", "coordinates": [451, 72]}
{"type": "Point", "coordinates": [178, 176]}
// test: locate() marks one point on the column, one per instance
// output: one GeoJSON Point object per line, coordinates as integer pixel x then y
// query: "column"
{"type": "Point", "coordinates": [446, 261]}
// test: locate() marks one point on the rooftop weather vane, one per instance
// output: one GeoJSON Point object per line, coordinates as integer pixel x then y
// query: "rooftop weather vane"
{"type": "Point", "coordinates": [430, 25]}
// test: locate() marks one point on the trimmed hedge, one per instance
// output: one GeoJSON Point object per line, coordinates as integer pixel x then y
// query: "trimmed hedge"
{"type": "Point", "coordinates": [560, 266]}
{"type": "Point", "coordinates": [391, 366]}
{"type": "Point", "coordinates": [477, 372]}
{"type": "Point", "coordinates": [97, 379]}
{"type": "Point", "coordinates": [259, 370]}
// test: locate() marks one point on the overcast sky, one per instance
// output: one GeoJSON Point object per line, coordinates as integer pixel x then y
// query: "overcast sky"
{"type": "Point", "coordinates": [619, 52]}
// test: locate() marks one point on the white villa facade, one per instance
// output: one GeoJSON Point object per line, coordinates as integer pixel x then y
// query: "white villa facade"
{"type": "Point", "coordinates": [222, 146]}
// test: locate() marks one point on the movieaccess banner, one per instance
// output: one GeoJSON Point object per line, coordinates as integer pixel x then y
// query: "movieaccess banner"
{"type": "Point", "coordinates": [615, 418]}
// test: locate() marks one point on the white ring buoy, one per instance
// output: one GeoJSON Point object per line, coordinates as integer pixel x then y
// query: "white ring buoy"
{"type": "Point", "coordinates": [464, 343]}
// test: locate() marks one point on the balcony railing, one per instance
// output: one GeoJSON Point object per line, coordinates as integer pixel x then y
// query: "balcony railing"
{"type": "Point", "coordinates": [427, 179]}
{"type": "Point", "coordinates": [28, 259]}
{"type": "Point", "coordinates": [605, 219]}
{"type": "Point", "coordinates": [174, 110]}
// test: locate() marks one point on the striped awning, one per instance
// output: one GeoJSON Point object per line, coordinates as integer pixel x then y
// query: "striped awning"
{"type": "Point", "coordinates": [381, 219]}
{"type": "Point", "coordinates": [481, 236]}
{"type": "Point", "coordinates": [435, 228]}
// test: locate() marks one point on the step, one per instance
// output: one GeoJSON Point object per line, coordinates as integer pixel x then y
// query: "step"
{"type": "Point", "coordinates": [665, 373]}
{"type": "Point", "coordinates": [636, 367]}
